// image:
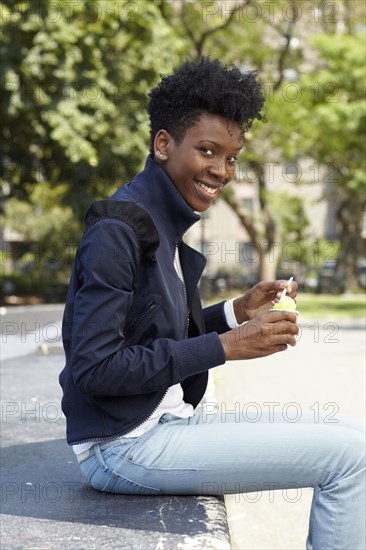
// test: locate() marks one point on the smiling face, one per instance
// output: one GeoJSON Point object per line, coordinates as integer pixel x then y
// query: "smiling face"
{"type": "Point", "coordinates": [203, 162]}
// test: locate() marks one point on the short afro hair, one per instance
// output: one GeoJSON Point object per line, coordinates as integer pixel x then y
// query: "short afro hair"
{"type": "Point", "coordinates": [179, 99]}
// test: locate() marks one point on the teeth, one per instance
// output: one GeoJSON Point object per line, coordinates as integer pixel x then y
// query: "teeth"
{"type": "Point", "coordinates": [210, 190]}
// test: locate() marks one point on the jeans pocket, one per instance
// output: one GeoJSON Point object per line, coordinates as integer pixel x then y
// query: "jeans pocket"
{"type": "Point", "coordinates": [104, 475]}
{"type": "Point", "coordinates": [124, 486]}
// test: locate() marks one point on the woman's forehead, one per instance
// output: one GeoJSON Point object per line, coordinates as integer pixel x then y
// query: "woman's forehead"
{"type": "Point", "coordinates": [216, 129]}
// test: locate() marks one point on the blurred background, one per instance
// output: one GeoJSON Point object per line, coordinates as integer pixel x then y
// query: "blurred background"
{"type": "Point", "coordinates": [74, 81]}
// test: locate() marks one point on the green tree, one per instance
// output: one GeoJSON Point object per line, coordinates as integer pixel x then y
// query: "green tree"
{"type": "Point", "coordinates": [343, 124]}
{"type": "Point", "coordinates": [75, 77]}
{"type": "Point", "coordinates": [49, 229]}
{"type": "Point", "coordinates": [328, 125]}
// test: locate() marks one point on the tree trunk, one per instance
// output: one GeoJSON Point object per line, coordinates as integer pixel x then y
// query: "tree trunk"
{"type": "Point", "coordinates": [269, 261]}
{"type": "Point", "coordinates": [268, 249]}
{"type": "Point", "coordinates": [349, 216]}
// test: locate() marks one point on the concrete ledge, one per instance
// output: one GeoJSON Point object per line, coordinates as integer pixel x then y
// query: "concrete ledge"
{"type": "Point", "coordinates": [45, 504]}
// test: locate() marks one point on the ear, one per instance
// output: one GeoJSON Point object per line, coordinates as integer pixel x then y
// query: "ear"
{"type": "Point", "coordinates": [161, 145]}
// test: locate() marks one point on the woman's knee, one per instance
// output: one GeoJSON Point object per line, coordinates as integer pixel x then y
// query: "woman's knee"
{"type": "Point", "coordinates": [349, 447]}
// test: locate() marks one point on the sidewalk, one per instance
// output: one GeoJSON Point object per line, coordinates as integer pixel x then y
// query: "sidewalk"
{"type": "Point", "coordinates": [323, 375]}
{"type": "Point", "coordinates": [25, 328]}
{"type": "Point", "coordinates": [45, 504]}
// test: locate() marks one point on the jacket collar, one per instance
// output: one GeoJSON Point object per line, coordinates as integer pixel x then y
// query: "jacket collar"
{"type": "Point", "coordinates": [157, 193]}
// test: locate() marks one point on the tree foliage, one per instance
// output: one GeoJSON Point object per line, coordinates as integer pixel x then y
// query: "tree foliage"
{"type": "Point", "coordinates": [75, 79]}
{"type": "Point", "coordinates": [328, 125]}
{"type": "Point", "coordinates": [74, 89]}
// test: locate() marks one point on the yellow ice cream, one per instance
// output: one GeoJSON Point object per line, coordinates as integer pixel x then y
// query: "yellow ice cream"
{"type": "Point", "coordinates": [286, 303]}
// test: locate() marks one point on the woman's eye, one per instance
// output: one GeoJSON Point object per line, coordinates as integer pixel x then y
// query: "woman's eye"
{"type": "Point", "coordinates": [207, 151]}
{"type": "Point", "coordinates": [232, 160]}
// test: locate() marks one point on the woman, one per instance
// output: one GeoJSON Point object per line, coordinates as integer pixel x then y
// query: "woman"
{"type": "Point", "coordinates": [139, 346]}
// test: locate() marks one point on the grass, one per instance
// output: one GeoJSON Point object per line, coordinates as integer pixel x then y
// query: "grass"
{"type": "Point", "coordinates": [325, 305]}
{"type": "Point", "coordinates": [343, 306]}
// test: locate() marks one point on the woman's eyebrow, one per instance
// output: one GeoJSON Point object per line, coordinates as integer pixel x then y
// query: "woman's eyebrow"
{"type": "Point", "coordinates": [218, 144]}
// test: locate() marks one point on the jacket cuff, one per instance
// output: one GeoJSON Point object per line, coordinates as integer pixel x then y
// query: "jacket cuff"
{"type": "Point", "coordinates": [215, 318]}
{"type": "Point", "coordinates": [199, 354]}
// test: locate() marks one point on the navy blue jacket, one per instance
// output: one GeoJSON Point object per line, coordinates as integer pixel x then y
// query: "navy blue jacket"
{"type": "Point", "coordinates": [131, 328]}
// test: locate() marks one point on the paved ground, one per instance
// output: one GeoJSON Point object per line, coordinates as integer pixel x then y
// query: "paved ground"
{"type": "Point", "coordinates": [25, 328]}
{"type": "Point", "coordinates": [44, 503]}
{"type": "Point", "coordinates": [325, 373]}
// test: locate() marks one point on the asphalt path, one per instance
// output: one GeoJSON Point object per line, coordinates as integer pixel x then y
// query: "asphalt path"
{"type": "Point", "coordinates": [324, 376]}
{"type": "Point", "coordinates": [25, 328]}
{"type": "Point", "coordinates": [44, 503]}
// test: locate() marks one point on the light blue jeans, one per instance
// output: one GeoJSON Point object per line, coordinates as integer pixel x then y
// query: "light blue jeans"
{"type": "Point", "coordinates": [223, 454]}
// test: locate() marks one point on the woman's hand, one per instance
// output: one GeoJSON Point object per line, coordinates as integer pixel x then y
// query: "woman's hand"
{"type": "Point", "coordinates": [261, 298]}
{"type": "Point", "coordinates": [264, 335]}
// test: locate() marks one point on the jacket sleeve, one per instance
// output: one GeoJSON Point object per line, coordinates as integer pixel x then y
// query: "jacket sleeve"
{"type": "Point", "coordinates": [215, 318]}
{"type": "Point", "coordinates": [107, 263]}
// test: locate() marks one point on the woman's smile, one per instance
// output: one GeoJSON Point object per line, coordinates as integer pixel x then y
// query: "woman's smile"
{"type": "Point", "coordinates": [207, 188]}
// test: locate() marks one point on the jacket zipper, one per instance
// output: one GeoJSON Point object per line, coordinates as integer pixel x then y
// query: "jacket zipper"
{"type": "Point", "coordinates": [176, 252]}
{"type": "Point", "coordinates": [132, 326]}
{"type": "Point", "coordinates": [114, 437]}
{"type": "Point", "coordinates": [187, 312]}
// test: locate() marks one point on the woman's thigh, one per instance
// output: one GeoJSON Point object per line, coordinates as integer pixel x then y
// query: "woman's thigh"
{"type": "Point", "coordinates": [207, 454]}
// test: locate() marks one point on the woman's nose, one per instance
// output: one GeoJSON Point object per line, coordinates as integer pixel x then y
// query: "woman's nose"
{"type": "Point", "coordinates": [221, 171]}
